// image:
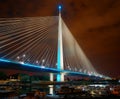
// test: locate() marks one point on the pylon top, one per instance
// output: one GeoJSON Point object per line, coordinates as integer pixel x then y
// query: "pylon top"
{"type": "Point", "coordinates": [59, 7]}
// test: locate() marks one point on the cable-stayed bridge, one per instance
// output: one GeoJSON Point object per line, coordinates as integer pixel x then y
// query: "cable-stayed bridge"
{"type": "Point", "coordinates": [44, 43]}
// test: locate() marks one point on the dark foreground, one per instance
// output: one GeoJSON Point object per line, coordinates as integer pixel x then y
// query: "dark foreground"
{"type": "Point", "coordinates": [55, 97]}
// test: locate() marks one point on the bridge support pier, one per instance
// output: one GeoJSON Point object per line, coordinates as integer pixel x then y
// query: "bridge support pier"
{"type": "Point", "coordinates": [51, 86]}
{"type": "Point", "coordinates": [60, 77]}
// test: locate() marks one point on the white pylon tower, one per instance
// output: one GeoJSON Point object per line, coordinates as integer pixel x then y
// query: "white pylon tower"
{"type": "Point", "coordinates": [60, 65]}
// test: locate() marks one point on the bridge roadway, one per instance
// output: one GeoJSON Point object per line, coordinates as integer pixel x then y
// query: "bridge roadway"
{"type": "Point", "coordinates": [7, 64]}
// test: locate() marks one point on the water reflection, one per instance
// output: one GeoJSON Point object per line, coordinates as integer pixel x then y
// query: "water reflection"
{"type": "Point", "coordinates": [65, 90]}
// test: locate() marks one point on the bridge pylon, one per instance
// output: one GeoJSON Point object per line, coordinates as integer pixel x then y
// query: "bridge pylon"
{"type": "Point", "coordinates": [60, 64]}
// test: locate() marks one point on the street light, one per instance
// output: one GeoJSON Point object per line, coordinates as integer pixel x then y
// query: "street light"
{"type": "Point", "coordinates": [85, 71]}
{"type": "Point", "coordinates": [89, 73]}
{"type": "Point", "coordinates": [24, 55]}
{"type": "Point", "coordinates": [75, 69]}
{"type": "Point", "coordinates": [80, 70]}
{"type": "Point", "coordinates": [23, 58]}
{"type": "Point", "coordinates": [18, 57]}
{"type": "Point", "coordinates": [42, 66]}
{"type": "Point", "coordinates": [21, 62]}
{"type": "Point", "coordinates": [68, 67]}
{"type": "Point", "coordinates": [37, 62]}
{"type": "Point", "coordinates": [56, 64]}
{"type": "Point", "coordinates": [43, 61]}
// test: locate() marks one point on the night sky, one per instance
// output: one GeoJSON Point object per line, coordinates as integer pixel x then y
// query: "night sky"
{"type": "Point", "coordinates": [94, 23]}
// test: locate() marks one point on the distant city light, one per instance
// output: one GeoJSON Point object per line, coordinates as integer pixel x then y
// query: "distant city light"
{"type": "Point", "coordinates": [119, 81]}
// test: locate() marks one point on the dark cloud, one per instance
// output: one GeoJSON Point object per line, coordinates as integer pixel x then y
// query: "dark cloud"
{"type": "Point", "coordinates": [94, 23]}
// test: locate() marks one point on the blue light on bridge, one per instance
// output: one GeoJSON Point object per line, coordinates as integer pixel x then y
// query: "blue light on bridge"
{"type": "Point", "coordinates": [29, 65]}
{"type": "Point", "coordinates": [40, 67]}
{"type": "Point", "coordinates": [3, 60]}
{"type": "Point", "coordinates": [58, 77]}
{"type": "Point", "coordinates": [46, 68]}
{"type": "Point", "coordinates": [59, 7]}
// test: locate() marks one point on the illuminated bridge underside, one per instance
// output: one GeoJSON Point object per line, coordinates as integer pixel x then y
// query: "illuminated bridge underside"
{"type": "Point", "coordinates": [36, 69]}
{"type": "Point", "coordinates": [33, 40]}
